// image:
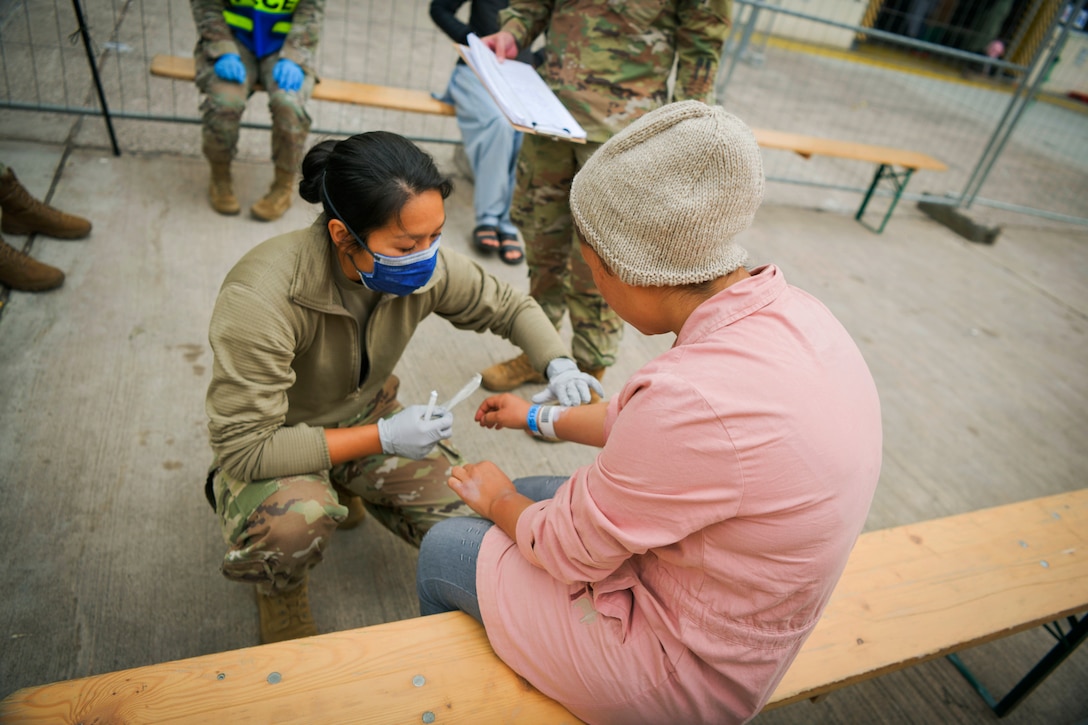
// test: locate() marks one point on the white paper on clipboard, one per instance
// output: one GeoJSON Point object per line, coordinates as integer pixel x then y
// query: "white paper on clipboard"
{"type": "Point", "coordinates": [521, 93]}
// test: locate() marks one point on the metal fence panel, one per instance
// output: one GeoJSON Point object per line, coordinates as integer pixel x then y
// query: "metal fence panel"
{"type": "Point", "coordinates": [843, 69]}
{"type": "Point", "coordinates": [369, 41]}
{"type": "Point", "coordinates": [803, 69]}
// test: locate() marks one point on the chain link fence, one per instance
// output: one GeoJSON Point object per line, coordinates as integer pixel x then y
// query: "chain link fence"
{"type": "Point", "coordinates": [912, 74]}
{"type": "Point", "coordinates": [852, 71]}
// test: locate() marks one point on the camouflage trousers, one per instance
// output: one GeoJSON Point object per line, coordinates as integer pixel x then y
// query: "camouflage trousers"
{"type": "Point", "coordinates": [224, 102]}
{"type": "Point", "coordinates": [559, 278]}
{"type": "Point", "coordinates": [278, 528]}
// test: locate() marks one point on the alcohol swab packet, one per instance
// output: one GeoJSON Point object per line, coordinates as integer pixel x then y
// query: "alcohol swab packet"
{"type": "Point", "coordinates": [464, 392]}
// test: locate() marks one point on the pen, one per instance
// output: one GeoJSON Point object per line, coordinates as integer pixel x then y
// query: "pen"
{"type": "Point", "coordinates": [430, 405]}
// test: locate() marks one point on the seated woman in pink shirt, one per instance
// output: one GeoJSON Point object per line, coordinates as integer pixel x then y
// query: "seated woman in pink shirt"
{"type": "Point", "coordinates": [675, 578]}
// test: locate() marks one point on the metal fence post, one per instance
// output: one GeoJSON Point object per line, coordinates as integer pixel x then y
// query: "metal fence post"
{"type": "Point", "coordinates": [1025, 93]}
{"type": "Point", "coordinates": [94, 72]}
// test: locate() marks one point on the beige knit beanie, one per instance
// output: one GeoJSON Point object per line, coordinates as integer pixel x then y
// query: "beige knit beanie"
{"type": "Point", "coordinates": [661, 201]}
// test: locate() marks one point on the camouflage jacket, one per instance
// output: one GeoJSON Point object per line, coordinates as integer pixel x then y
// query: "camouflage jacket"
{"type": "Point", "coordinates": [288, 354]}
{"type": "Point", "coordinates": [216, 38]}
{"type": "Point", "coordinates": [609, 61]}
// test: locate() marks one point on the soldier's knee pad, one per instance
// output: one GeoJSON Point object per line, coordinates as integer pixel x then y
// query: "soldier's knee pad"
{"type": "Point", "coordinates": [226, 107]}
{"type": "Point", "coordinates": [287, 113]}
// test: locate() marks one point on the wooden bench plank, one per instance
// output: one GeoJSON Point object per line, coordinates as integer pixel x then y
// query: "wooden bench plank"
{"type": "Point", "coordinates": [894, 166]}
{"type": "Point", "coordinates": [808, 146]}
{"type": "Point", "coordinates": [328, 89]}
{"type": "Point", "coordinates": [393, 672]}
{"type": "Point", "coordinates": [909, 594]}
{"type": "Point", "coordinates": [917, 592]}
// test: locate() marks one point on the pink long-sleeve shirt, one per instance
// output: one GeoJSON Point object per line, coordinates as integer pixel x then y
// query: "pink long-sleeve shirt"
{"type": "Point", "coordinates": [675, 578]}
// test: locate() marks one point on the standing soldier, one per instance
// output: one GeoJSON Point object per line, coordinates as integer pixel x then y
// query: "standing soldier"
{"type": "Point", "coordinates": [609, 64]}
{"type": "Point", "coordinates": [490, 142]}
{"type": "Point", "coordinates": [243, 43]}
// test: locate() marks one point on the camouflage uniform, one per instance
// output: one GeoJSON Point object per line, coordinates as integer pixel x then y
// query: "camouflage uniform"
{"type": "Point", "coordinates": [224, 101]}
{"type": "Point", "coordinates": [608, 62]}
{"type": "Point", "coordinates": [406, 496]}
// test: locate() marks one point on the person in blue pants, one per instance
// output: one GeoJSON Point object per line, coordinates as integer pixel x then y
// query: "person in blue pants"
{"type": "Point", "coordinates": [490, 142]}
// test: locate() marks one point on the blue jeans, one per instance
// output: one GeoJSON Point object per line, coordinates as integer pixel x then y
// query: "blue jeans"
{"type": "Point", "coordinates": [491, 145]}
{"type": "Point", "coordinates": [446, 574]}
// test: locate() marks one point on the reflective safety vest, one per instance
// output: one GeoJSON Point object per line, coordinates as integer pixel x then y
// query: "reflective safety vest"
{"type": "Point", "coordinates": [260, 25]}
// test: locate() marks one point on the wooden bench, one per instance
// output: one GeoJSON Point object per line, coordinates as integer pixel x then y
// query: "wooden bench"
{"type": "Point", "coordinates": [328, 89]}
{"type": "Point", "coordinates": [921, 591]}
{"type": "Point", "coordinates": [909, 594]}
{"type": "Point", "coordinates": [894, 166]}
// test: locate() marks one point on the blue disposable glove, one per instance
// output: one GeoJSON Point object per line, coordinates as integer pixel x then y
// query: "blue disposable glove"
{"type": "Point", "coordinates": [229, 67]}
{"type": "Point", "coordinates": [568, 384]}
{"type": "Point", "coordinates": [408, 435]}
{"type": "Point", "coordinates": [287, 74]}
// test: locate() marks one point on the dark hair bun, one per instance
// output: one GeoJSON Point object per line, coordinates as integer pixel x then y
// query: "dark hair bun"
{"type": "Point", "coordinates": [313, 168]}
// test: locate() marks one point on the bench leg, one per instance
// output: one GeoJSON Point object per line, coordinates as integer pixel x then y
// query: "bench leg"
{"type": "Point", "coordinates": [899, 182]}
{"type": "Point", "coordinates": [1067, 643]}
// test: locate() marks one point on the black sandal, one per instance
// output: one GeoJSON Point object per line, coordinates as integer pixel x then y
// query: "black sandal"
{"type": "Point", "coordinates": [486, 239]}
{"type": "Point", "coordinates": [509, 243]}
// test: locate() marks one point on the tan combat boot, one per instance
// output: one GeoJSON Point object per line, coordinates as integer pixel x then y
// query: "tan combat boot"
{"type": "Point", "coordinates": [221, 190]}
{"type": "Point", "coordinates": [287, 615]}
{"type": "Point", "coordinates": [20, 271]}
{"type": "Point", "coordinates": [510, 374]}
{"type": "Point", "coordinates": [23, 214]}
{"type": "Point", "coordinates": [278, 199]}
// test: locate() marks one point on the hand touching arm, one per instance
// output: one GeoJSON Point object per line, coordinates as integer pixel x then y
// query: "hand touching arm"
{"type": "Point", "coordinates": [490, 492]}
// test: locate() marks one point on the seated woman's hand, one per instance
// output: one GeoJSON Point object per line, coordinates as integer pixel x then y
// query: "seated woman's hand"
{"type": "Point", "coordinates": [480, 485]}
{"type": "Point", "coordinates": [503, 411]}
{"type": "Point", "coordinates": [407, 434]}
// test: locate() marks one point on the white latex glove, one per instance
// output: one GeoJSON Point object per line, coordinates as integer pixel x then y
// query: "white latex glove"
{"type": "Point", "coordinates": [406, 434]}
{"type": "Point", "coordinates": [568, 384]}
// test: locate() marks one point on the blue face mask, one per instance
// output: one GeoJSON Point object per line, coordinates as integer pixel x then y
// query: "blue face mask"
{"type": "Point", "coordinates": [395, 275]}
{"type": "Point", "coordinates": [401, 275]}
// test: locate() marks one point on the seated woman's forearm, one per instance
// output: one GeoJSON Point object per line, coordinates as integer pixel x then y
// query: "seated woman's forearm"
{"type": "Point", "coordinates": [347, 444]}
{"type": "Point", "coordinates": [506, 510]}
{"type": "Point", "coordinates": [583, 424]}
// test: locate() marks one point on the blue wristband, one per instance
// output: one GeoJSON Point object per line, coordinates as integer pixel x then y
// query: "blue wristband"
{"type": "Point", "coordinates": [531, 419]}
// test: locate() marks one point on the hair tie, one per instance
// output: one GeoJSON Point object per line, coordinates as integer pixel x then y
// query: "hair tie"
{"type": "Point", "coordinates": [325, 194]}
{"type": "Point", "coordinates": [336, 214]}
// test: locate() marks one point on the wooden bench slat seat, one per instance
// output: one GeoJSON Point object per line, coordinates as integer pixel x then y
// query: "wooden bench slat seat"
{"type": "Point", "coordinates": [328, 89]}
{"type": "Point", "coordinates": [909, 594]}
{"type": "Point", "coordinates": [894, 166]}
{"type": "Point", "coordinates": [808, 146]}
{"type": "Point", "coordinates": [393, 672]}
{"type": "Point", "coordinates": [916, 592]}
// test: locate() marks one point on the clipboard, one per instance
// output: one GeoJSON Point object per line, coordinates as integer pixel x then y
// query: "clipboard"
{"type": "Point", "coordinates": [521, 94]}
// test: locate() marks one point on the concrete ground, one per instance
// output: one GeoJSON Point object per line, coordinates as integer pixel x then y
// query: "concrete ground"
{"type": "Point", "coordinates": [979, 353]}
